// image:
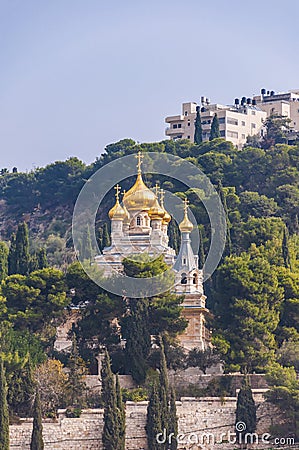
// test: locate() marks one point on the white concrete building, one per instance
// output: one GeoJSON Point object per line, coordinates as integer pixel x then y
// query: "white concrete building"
{"type": "Point", "coordinates": [235, 122]}
{"type": "Point", "coordinates": [281, 103]}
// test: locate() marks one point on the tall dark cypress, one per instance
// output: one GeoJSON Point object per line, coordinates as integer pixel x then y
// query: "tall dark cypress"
{"type": "Point", "coordinates": [113, 432]}
{"type": "Point", "coordinates": [121, 416]}
{"type": "Point", "coordinates": [12, 259]}
{"type": "Point", "coordinates": [173, 422]}
{"type": "Point", "coordinates": [19, 258]}
{"type": "Point", "coordinates": [138, 339]}
{"type": "Point", "coordinates": [4, 414]}
{"type": "Point", "coordinates": [153, 421]}
{"type": "Point", "coordinates": [215, 132]}
{"type": "Point", "coordinates": [3, 260]}
{"type": "Point", "coordinates": [106, 237]}
{"type": "Point", "coordinates": [285, 248]}
{"type": "Point", "coordinates": [37, 442]}
{"type": "Point", "coordinates": [201, 252]}
{"type": "Point", "coordinates": [198, 127]}
{"type": "Point", "coordinates": [42, 258]}
{"type": "Point", "coordinates": [228, 242]}
{"type": "Point", "coordinates": [246, 411]}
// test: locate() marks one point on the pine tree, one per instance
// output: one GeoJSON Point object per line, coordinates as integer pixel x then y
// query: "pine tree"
{"type": "Point", "coordinates": [3, 261]}
{"type": "Point", "coordinates": [246, 410]}
{"type": "Point", "coordinates": [4, 414]}
{"type": "Point", "coordinates": [198, 127]}
{"type": "Point", "coordinates": [153, 421]}
{"type": "Point", "coordinates": [113, 432]}
{"type": "Point", "coordinates": [37, 442]}
{"type": "Point", "coordinates": [173, 422]}
{"type": "Point", "coordinates": [121, 416]}
{"type": "Point", "coordinates": [285, 248]}
{"type": "Point", "coordinates": [214, 133]}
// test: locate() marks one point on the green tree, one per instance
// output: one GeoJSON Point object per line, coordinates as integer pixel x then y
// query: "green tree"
{"type": "Point", "coordinates": [3, 261]}
{"type": "Point", "coordinates": [113, 432]}
{"type": "Point", "coordinates": [4, 415]}
{"type": "Point", "coordinates": [198, 127]}
{"type": "Point", "coordinates": [121, 415]}
{"type": "Point", "coordinates": [285, 249]}
{"type": "Point", "coordinates": [12, 262]}
{"type": "Point", "coordinates": [75, 385]}
{"type": "Point", "coordinates": [22, 256]}
{"type": "Point", "coordinates": [173, 422]}
{"type": "Point", "coordinates": [246, 410]}
{"type": "Point", "coordinates": [202, 358]}
{"type": "Point", "coordinates": [153, 421]}
{"type": "Point", "coordinates": [37, 442]}
{"type": "Point", "coordinates": [276, 130]}
{"type": "Point", "coordinates": [214, 133]}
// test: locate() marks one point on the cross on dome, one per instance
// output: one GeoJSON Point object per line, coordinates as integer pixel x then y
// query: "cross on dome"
{"type": "Point", "coordinates": [117, 189]}
{"type": "Point", "coordinates": [139, 157]}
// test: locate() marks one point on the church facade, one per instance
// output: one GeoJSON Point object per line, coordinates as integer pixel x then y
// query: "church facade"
{"type": "Point", "coordinates": [139, 224]}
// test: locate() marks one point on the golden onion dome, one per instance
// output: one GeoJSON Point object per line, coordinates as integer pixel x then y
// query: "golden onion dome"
{"type": "Point", "coordinates": [186, 226]}
{"type": "Point", "coordinates": [156, 211]}
{"type": "Point", "coordinates": [139, 197]}
{"type": "Point", "coordinates": [117, 212]}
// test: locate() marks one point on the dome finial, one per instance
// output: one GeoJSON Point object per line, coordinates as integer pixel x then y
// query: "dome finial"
{"type": "Point", "coordinates": [186, 225]}
{"type": "Point", "coordinates": [139, 157]}
{"type": "Point", "coordinates": [117, 189]}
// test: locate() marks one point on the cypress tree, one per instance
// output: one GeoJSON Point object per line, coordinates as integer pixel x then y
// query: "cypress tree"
{"type": "Point", "coordinates": [22, 249]}
{"type": "Point", "coordinates": [3, 261]}
{"type": "Point", "coordinates": [86, 245]}
{"type": "Point", "coordinates": [246, 410]}
{"type": "Point", "coordinates": [12, 259]}
{"type": "Point", "coordinates": [106, 238]}
{"type": "Point", "coordinates": [37, 442]}
{"type": "Point", "coordinates": [174, 236]}
{"type": "Point", "coordinates": [135, 330]}
{"type": "Point", "coordinates": [201, 253]}
{"type": "Point", "coordinates": [173, 422]}
{"type": "Point", "coordinates": [111, 431]}
{"type": "Point", "coordinates": [75, 386]}
{"type": "Point", "coordinates": [198, 127]}
{"type": "Point", "coordinates": [285, 248]}
{"type": "Point", "coordinates": [4, 414]}
{"type": "Point", "coordinates": [228, 242]}
{"type": "Point", "coordinates": [42, 259]}
{"type": "Point", "coordinates": [121, 416]}
{"type": "Point", "coordinates": [153, 421]}
{"type": "Point", "coordinates": [214, 133]}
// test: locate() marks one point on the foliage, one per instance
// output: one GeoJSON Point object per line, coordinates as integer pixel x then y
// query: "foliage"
{"type": "Point", "coordinates": [3, 261]}
{"type": "Point", "coordinates": [37, 442]}
{"type": "Point", "coordinates": [75, 386]}
{"type": "Point", "coordinates": [214, 133]}
{"type": "Point", "coordinates": [202, 358]}
{"type": "Point", "coordinates": [4, 416]}
{"type": "Point", "coordinates": [198, 127]}
{"type": "Point", "coordinates": [246, 410]}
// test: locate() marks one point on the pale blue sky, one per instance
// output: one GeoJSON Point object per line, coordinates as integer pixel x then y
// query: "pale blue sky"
{"type": "Point", "coordinates": [76, 75]}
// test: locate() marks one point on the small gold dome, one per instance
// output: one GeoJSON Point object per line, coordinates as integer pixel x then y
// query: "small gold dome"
{"type": "Point", "coordinates": [156, 211]}
{"type": "Point", "coordinates": [186, 226]}
{"type": "Point", "coordinates": [117, 212]}
{"type": "Point", "coordinates": [139, 197]}
{"type": "Point", "coordinates": [166, 218]}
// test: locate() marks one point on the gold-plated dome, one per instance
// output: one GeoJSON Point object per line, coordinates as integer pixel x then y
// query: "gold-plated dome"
{"type": "Point", "coordinates": [186, 226]}
{"type": "Point", "coordinates": [139, 197]}
{"type": "Point", "coordinates": [156, 211]}
{"type": "Point", "coordinates": [117, 212]}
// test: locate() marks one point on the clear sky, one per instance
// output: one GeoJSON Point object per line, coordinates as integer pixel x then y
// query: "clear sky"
{"type": "Point", "coordinates": [76, 75]}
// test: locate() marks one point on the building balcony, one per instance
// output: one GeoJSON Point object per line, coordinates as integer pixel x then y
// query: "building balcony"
{"type": "Point", "coordinates": [171, 119]}
{"type": "Point", "coordinates": [173, 131]}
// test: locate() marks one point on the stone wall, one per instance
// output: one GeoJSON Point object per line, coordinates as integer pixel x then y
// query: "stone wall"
{"type": "Point", "coordinates": [204, 419]}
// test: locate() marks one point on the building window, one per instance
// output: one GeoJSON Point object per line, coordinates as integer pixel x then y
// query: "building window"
{"type": "Point", "coordinates": [188, 124]}
{"type": "Point", "coordinates": [253, 113]}
{"type": "Point", "coordinates": [253, 125]}
{"type": "Point", "coordinates": [186, 113]}
{"type": "Point", "coordinates": [243, 136]}
{"type": "Point", "coordinates": [232, 121]}
{"type": "Point", "coordinates": [174, 125]}
{"type": "Point", "coordinates": [232, 134]}
{"type": "Point", "coordinates": [221, 120]}
{"type": "Point", "coordinates": [188, 137]}
{"type": "Point", "coordinates": [179, 125]}
{"type": "Point", "coordinates": [194, 278]}
{"type": "Point", "coordinates": [222, 133]}
{"type": "Point", "coordinates": [138, 221]}
{"type": "Point", "coordinates": [243, 123]}
{"type": "Point", "coordinates": [184, 278]}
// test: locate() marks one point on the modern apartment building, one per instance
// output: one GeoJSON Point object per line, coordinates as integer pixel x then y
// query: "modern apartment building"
{"type": "Point", "coordinates": [236, 122]}
{"type": "Point", "coordinates": [282, 103]}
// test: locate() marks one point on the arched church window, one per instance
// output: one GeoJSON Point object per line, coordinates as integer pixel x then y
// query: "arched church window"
{"type": "Point", "coordinates": [194, 278]}
{"type": "Point", "coordinates": [138, 221]}
{"type": "Point", "coordinates": [184, 278]}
